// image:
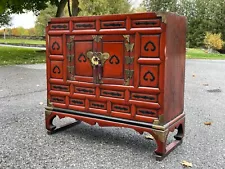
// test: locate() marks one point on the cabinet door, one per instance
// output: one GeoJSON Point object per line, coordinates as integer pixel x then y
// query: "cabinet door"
{"type": "Point", "coordinates": [79, 67]}
{"type": "Point", "coordinates": [113, 69]}
{"type": "Point", "coordinates": [115, 66]}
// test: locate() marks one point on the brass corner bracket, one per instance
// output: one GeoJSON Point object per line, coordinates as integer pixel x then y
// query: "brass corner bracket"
{"type": "Point", "coordinates": [163, 16]}
{"type": "Point", "coordinates": [162, 135]}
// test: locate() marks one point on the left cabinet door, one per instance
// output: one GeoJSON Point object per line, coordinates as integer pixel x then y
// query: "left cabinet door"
{"type": "Point", "coordinates": [79, 67]}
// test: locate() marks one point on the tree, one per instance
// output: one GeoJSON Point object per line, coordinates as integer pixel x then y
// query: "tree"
{"type": "Point", "coordinates": [5, 19]}
{"type": "Point", "coordinates": [160, 5]}
{"type": "Point", "coordinates": [100, 7]}
{"type": "Point", "coordinates": [44, 18]}
{"type": "Point", "coordinates": [87, 7]}
{"type": "Point", "coordinates": [15, 6]}
{"type": "Point", "coordinates": [202, 16]}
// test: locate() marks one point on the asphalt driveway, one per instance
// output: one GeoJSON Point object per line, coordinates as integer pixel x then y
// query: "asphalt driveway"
{"type": "Point", "coordinates": [24, 143]}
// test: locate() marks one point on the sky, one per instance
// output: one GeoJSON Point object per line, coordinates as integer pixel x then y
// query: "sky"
{"type": "Point", "coordinates": [27, 20]}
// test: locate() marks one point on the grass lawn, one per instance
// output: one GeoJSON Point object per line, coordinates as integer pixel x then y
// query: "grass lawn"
{"type": "Point", "coordinates": [201, 54]}
{"type": "Point", "coordinates": [14, 55]}
{"type": "Point", "coordinates": [24, 41]}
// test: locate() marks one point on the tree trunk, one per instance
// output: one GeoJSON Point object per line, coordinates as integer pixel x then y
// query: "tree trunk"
{"type": "Point", "coordinates": [61, 6]}
{"type": "Point", "coordinates": [75, 7]}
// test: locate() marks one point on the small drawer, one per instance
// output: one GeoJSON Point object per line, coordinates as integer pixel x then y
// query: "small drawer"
{"type": "Point", "coordinates": [146, 112]}
{"type": "Point", "coordinates": [150, 46]}
{"type": "Point", "coordinates": [97, 105]}
{"type": "Point", "coordinates": [57, 99]}
{"type": "Point", "coordinates": [59, 26]}
{"type": "Point", "coordinates": [145, 23]}
{"type": "Point", "coordinates": [121, 108]}
{"type": "Point", "coordinates": [113, 24]}
{"type": "Point", "coordinates": [110, 93]}
{"type": "Point", "coordinates": [77, 102]}
{"type": "Point", "coordinates": [149, 76]}
{"type": "Point", "coordinates": [83, 25]}
{"type": "Point", "coordinates": [144, 97]}
{"type": "Point", "coordinates": [60, 88]}
{"type": "Point", "coordinates": [85, 90]}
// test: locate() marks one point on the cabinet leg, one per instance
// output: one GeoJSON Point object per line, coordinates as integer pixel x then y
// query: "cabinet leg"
{"type": "Point", "coordinates": [51, 129]}
{"type": "Point", "coordinates": [162, 148]}
{"type": "Point", "coordinates": [180, 132]}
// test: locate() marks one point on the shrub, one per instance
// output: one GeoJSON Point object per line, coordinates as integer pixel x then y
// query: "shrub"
{"type": "Point", "coordinates": [213, 41]}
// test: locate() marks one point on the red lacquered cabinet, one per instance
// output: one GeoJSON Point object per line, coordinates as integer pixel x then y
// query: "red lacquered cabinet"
{"type": "Point", "coordinates": [119, 70]}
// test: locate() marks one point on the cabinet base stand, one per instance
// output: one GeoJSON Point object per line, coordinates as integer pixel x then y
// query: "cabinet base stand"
{"type": "Point", "coordinates": [159, 132]}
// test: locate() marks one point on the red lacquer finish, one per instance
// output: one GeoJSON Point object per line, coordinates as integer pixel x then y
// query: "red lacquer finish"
{"type": "Point", "coordinates": [119, 70]}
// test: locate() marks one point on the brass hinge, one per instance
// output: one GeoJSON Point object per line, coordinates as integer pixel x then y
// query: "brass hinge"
{"type": "Point", "coordinates": [71, 72]}
{"type": "Point", "coordinates": [129, 60]}
{"type": "Point", "coordinates": [69, 45]}
{"type": "Point", "coordinates": [70, 69]}
{"type": "Point", "coordinates": [71, 38]}
{"type": "Point", "coordinates": [70, 57]}
{"type": "Point", "coordinates": [127, 37]}
{"type": "Point", "coordinates": [97, 38]}
{"type": "Point", "coordinates": [129, 46]}
{"type": "Point", "coordinates": [129, 75]}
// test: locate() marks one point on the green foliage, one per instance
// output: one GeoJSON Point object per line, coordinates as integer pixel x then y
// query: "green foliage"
{"type": "Point", "coordinates": [100, 7]}
{"type": "Point", "coordinates": [44, 18]}
{"type": "Point", "coordinates": [88, 7]}
{"type": "Point", "coordinates": [15, 6]}
{"type": "Point", "coordinates": [5, 19]}
{"type": "Point", "coordinates": [140, 9]}
{"type": "Point", "coordinates": [202, 16]}
{"type": "Point", "coordinates": [160, 5]}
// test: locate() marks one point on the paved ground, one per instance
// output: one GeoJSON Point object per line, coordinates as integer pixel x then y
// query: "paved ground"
{"type": "Point", "coordinates": [24, 143]}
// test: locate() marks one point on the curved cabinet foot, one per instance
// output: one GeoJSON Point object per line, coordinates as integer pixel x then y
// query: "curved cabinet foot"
{"type": "Point", "coordinates": [51, 128]}
{"type": "Point", "coordinates": [162, 148]}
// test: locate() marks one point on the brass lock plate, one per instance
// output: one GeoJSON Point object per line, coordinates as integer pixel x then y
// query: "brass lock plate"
{"type": "Point", "coordinates": [97, 58]}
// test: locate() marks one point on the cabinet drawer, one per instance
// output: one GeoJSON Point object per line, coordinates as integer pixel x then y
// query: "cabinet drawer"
{"type": "Point", "coordinates": [144, 97]}
{"type": "Point", "coordinates": [98, 105]}
{"type": "Point", "coordinates": [121, 108]}
{"type": "Point", "coordinates": [113, 24]}
{"type": "Point", "coordinates": [57, 99]}
{"type": "Point", "coordinates": [145, 23]}
{"type": "Point", "coordinates": [111, 93]}
{"type": "Point", "coordinates": [77, 102]}
{"type": "Point", "coordinates": [146, 112]}
{"type": "Point", "coordinates": [83, 25]}
{"type": "Point", "coordinates": [60, 88]}
{"type": "Point", "coordinates": [85, 90]}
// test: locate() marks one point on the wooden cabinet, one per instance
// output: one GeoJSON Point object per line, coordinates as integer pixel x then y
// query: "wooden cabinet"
{"type": "Point", "coordinates": [119, 70]}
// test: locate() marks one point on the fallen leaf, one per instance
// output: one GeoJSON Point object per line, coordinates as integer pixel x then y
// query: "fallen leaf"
{"type": "Point", "coordinates": [149, 136]}
{"type": "Point", "coordinates": [186, 164]}
{"type": "Point", "coordinates": [205, 84]}
{"type": "Point", "coordinates": [193, 75]}
{"type": "Point", "coordinates": [208, 123]}
{"type": "Point", "coordinates": [41, 103]}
